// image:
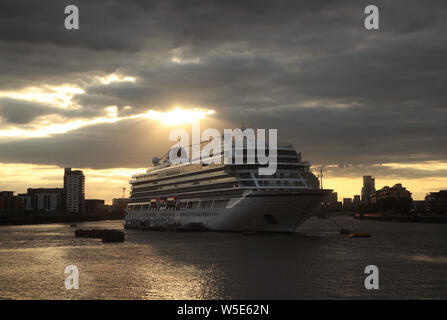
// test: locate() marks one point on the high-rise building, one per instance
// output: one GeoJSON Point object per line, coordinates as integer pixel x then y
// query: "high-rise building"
{"type": "Point", "coordinates": [369, 186]}
{"type": "Point", "coordinates": [74, 186]}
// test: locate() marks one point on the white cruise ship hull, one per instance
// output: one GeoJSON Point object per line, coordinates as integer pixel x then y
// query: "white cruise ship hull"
{"type": "Point", "coordinates": [255, 211]}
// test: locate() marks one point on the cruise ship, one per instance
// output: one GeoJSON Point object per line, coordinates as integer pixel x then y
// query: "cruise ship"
{"type": "Point", "coordinates": [224, 197]}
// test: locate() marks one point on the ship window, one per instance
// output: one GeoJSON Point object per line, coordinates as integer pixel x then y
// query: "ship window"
{"type": "Point", "coordinates": [137, 207]}
{"type": "Point", "coordinates": [145, 207]}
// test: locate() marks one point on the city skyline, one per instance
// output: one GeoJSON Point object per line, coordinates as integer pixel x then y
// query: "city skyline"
{"type": "Point", "coordinates": [117, 178]}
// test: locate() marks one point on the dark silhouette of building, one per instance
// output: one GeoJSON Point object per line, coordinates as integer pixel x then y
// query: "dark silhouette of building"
{"type": "Point", "coordinates": [46, 199]}
{"type": "Point", "coordinates": [356, 202]}
{"type": "Point", "coordinates": [25, 201]}
{"type": "Point", "coordinates": [436, 202]}
{"type": "Point", "coordinates": [74, 186]}
{"type": "Point", "coordinates": [8, 202]}
{"type": "Point", "coordinates": [369, 186]}
{"type": "Point", "coordinates": [394, 200]}
{"type": "Point", "coordinates": [95, 206]}
{"type": "Point", "coordinates": [120, 203]}
{"type": "Point", "coordinates": [396, 192]}
{"type": "Point", "coordinates": [347, 203]}
{"type": "Point", "coordinates": [119, 206]}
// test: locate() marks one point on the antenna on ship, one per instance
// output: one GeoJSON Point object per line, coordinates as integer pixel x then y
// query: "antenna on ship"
{"type": "Point", "coordinates": [320, 177]}
{"type": "Point", "coordinates": [124, 190]}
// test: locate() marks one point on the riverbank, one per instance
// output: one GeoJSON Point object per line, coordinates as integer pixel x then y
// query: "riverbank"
{"type": "Point", "coordinates": [43, 219]}
{"type": "Point", "coordinates": [421, 219]}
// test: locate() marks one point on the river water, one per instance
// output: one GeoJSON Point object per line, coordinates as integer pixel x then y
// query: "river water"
{"type": "Point", "coordinates": [314, 263]}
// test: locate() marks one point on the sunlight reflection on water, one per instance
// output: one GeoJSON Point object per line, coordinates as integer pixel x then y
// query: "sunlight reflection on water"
{"type": "Point", "coordinates": [314, 263]}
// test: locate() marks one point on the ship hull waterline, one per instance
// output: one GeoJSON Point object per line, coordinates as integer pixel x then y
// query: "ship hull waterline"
{"type": "Point", "coordinates": [252, 213]}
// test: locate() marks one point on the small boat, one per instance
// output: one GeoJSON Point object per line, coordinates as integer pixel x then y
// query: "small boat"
{"type": "Point", "coordinates": [359, 235]}
{"type": "Point", "coordinates": [106, 235]}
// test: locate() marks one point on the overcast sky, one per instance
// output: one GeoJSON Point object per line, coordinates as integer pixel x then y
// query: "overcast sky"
{"type": "Point", "coordinates": [348, 98]}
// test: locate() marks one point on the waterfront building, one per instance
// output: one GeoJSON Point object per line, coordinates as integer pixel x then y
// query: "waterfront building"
{"type": "Point", "coordinates": [25, 201]}
{"type": "Point", "coordinates": [48, 199]}
{"type": "Point", "coordinates": [8, 202]}
{"type": "Point", "coordinates": [119, 204]}
{"type": "Point", "coordinates": [94, 206]}
{"type": "Point", "coordinates": [369, 187]}
{"type": "Point", "coordinates": [74, 186]}
{"type": "Point", "coordinates": [395, 192]}
{"type": "Point", "coordinates": [436, 202]}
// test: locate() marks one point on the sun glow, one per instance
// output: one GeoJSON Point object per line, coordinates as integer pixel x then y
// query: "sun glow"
{"type": "Point", "coordinates": [115, 77]}
{"type": "Point", "coordinates": [174, 117]}
{"type": "Point", "coordinates": [57, 96]}
{"type": "Point", "coordinates": [178, 116]}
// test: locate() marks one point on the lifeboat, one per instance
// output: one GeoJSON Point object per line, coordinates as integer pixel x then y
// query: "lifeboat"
{"type": "Point", "coordinates": [171, 202]}
{"type": "Point", "coordinates": [154, 203]}
{"type": "Point", "coordinates": [154, 200]}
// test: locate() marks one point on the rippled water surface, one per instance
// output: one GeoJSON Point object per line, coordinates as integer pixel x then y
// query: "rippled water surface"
{"type": "Point", "coordinates": [314, 263]}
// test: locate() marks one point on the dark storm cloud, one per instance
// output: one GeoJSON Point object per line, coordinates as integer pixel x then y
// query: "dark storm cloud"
{"type": "Point", "coordinates": [91, 147]}
{"type": "Point", "coordinates": [341, 93]}
{"type": "Point", "coordinates": [22, 112]}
